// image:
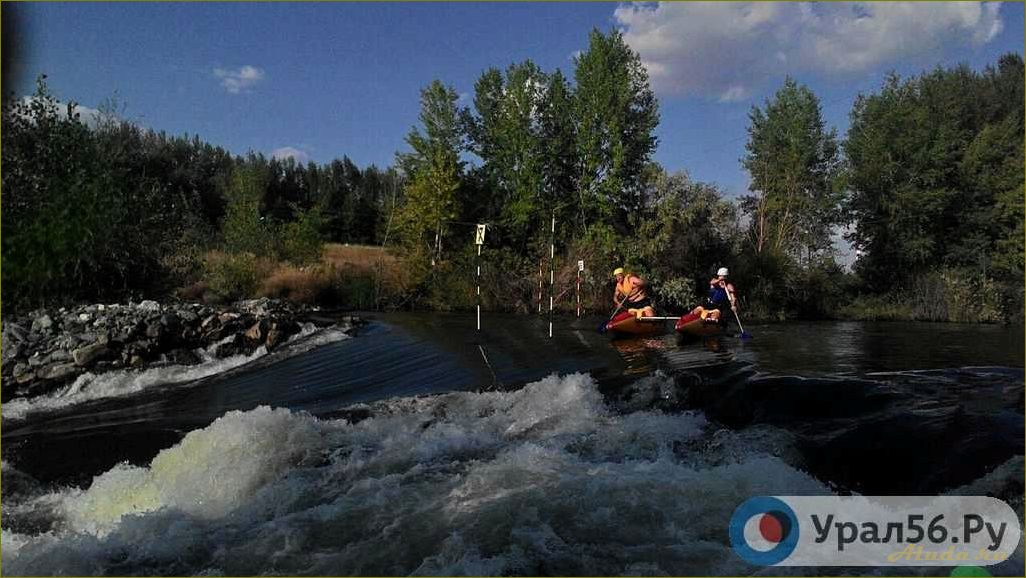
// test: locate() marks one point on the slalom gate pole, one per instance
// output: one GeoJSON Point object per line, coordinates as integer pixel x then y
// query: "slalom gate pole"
{"type": "Point", "coordinates": [552, 269]}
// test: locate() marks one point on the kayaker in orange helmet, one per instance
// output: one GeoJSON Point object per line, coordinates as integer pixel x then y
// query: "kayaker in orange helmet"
{"type": "Point", "coordinates": [630, 292]}
{"type": "Point", "coordinates": [721, 295]}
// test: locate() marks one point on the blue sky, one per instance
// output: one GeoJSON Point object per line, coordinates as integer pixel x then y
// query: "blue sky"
{"type": "Point", "coordinates": [323, 80]}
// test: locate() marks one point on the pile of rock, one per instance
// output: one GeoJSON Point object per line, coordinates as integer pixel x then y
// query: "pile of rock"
{"type": "Point", "coordinates": [47, 349]}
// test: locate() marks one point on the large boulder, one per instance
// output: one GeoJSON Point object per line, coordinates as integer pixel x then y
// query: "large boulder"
{"type": "Point", "coordinates": [232, 345]}
{"type": "Point", "coordinates": [42, 324]}
{"type": "Point", "coordinates": [257, 333]}
{"type": "Point", "coordinates": [59, 372]}
{"type": "Point", "coordinates": [86, 356]}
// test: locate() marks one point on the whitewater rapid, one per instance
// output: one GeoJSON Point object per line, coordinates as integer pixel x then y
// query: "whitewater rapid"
{"type": "Point", "coordinates": [543, 480]}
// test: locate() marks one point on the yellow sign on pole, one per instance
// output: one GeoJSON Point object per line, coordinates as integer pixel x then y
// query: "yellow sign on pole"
{"type": "Point", "coordinates": [479, 238]}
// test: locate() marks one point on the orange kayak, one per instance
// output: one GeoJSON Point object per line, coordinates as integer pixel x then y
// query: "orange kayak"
{"type": "Point", "coordinates": [625, 323]}
{"type": "Point", "coordinates": [692, 324]}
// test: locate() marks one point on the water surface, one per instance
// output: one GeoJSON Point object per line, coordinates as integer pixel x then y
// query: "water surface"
{"type": "Point", "coordinates": [421, 446]}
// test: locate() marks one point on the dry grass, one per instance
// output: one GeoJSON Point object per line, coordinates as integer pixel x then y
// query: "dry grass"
{"type": "Point", "coordinates": [193, 292]}
{"type": "Point", "coordinates": [367, 261]}
{"type": "Point", "coordinates": [303, 285]}
{"type": "Point", "coordinates": [363, 258]}
{"type": "Point", "coordinates": [353, 276]}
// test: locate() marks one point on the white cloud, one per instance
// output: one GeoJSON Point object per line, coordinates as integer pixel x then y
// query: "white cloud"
{"type": "Point", "coordinates": [723, 50]}
{"type": "Point", "coordinates": [241, 80]}
{"type": "Point", "coordinates": [290, 152]}
{"type": "Point", "coordinates": [734, 94]}
{"type": "Point", "coordinates": [88, 116]}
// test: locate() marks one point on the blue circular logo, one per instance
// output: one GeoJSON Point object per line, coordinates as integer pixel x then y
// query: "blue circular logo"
{"type": "Point", "coordinates": [764, 530]}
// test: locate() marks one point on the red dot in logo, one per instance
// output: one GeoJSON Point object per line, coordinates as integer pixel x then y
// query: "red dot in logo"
{"type": "Point", "coordinates": [770, 528]}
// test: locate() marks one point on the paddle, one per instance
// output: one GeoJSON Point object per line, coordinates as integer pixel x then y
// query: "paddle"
{"type": "Point", "coordinates": [744, 334]}
{"type": "Point", "coordinates": [602, 328]}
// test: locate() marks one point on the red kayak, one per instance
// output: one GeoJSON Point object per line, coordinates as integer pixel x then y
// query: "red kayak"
{"type": "Point", "coordinates": [692, 324]}
{"type": "Point", "coordinates": [625, 323]}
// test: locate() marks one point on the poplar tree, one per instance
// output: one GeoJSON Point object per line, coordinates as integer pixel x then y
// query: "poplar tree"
{"type": "Point", "coordinates": [792, 160]}
{"type": "Point", "coordinates": [616, 115]}
{"type": "Point", "coordinates": [433, 169]}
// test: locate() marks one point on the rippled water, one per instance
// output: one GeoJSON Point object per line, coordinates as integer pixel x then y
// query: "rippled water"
{"type": "Point", "coordinates": [424, 447]}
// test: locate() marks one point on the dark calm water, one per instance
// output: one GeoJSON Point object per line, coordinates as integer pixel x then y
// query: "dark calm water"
{"type": "Point", "coordinates": [423, 446]}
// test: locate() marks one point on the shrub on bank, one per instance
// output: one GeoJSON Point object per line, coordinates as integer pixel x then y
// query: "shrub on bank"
{"type": "Point", "coordinates": [362, 278]}
{"type": "Point", "coordinates": [951, 295]}
{"type": "Point", "coordinates": [876, 308]}
{"type": "Point", "coordinates": [233, 276]}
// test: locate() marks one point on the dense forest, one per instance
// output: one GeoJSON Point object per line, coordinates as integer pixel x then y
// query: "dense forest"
{"type": "Point", "coordinates": [927, 184]}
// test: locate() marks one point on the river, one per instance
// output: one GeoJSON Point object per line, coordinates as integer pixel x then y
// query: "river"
{"type": "Point", "coordinates": [422, 446]}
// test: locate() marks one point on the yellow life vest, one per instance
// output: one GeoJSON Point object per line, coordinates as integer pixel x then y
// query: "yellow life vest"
{"type": "Point", "coordinates": [626, 288]}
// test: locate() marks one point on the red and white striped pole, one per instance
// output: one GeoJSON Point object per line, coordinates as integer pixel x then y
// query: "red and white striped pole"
{"type": "Point", "coordinates": [580, 267]}
{"type": "Point", "coordinates": [539, 288]}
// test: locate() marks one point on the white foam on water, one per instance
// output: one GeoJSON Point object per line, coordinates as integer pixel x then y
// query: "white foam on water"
{"type": "Point", "coordinates": [120, 383]}
{"type": "Point", "coordinates": [543, 480]}
{"type": "Point", "coordinates": [209, 473]}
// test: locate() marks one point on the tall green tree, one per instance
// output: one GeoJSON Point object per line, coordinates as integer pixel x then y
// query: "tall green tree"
{"type": "Point", "coordinates": [245, 228]}
{"type": "Point", "coordinates": [935, 174]}
{"type": "Point", "coordinates": [616, 114]}
{"type": "Point", "coordinates": [689, 230]}
{"type": "Point", "coordinates": [560, 165]}
{"type": "Point", "coordinates": [992, 169]}
{"type": "Point", "coordinates": [434, 169]}
{"type": "Point", "coordinates": [79, 220]}
{"type": "Point", "coordinates": [506, 134]}
{"type": "Point", "coordinates": [792, 160]}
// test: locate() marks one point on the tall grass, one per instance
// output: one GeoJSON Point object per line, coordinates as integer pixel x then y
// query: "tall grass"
{"type": "Point", "coordinates": [953, 295]}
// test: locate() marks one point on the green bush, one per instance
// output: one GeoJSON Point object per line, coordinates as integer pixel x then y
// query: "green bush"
{"type": "Point", "coordinates": [356, 290]}
{"type": "Point", "coordinates": [301, 240]}
{"type": "Point", "coordinates": [451, 287]}
{"type": "Point", "coordinates": [875, 308]}
{"type": "Point", "coordinates": [678, 293]}
{"type": "Point", "coordinates": [244, 229]}
{"type": "Point", "coordinates": [233, 275]}
{"type": "Point", "coordinates": [78, 223]}
{"type": "Point", "coordinates": [951, 295]}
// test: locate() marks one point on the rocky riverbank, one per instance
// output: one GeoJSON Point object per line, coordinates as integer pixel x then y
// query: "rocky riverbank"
{"type": "Point", "coordinates": [47, 349]}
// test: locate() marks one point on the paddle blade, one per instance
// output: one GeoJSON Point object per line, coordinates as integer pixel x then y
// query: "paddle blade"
{"type": "Point", "coordinates": [746, 335]}
{"type": "Point", "coordinates": [602, 328]}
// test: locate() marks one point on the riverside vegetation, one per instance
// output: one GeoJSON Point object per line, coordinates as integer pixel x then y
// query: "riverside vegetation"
{"type": "Point", "coordinates": [927, 186]}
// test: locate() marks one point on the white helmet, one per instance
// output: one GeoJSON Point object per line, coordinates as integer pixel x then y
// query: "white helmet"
{"type": "Point", "coordinates": [722, 272]}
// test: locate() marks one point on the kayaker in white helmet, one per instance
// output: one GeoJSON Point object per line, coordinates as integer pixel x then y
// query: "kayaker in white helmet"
{"type": "Point", "coordinates": [721, 295]}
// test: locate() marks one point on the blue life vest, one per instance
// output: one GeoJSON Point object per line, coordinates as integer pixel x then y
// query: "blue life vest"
{"type": "Point", "coordinates": [718, 295]}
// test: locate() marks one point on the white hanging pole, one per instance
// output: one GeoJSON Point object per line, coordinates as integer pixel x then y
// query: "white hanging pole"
{"type": "Point", "coordinates": [552, 269]}
{"type": "Point", "coordinates": [479, 240]}
{"type": "Point", "coordinates": [580, 269]}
